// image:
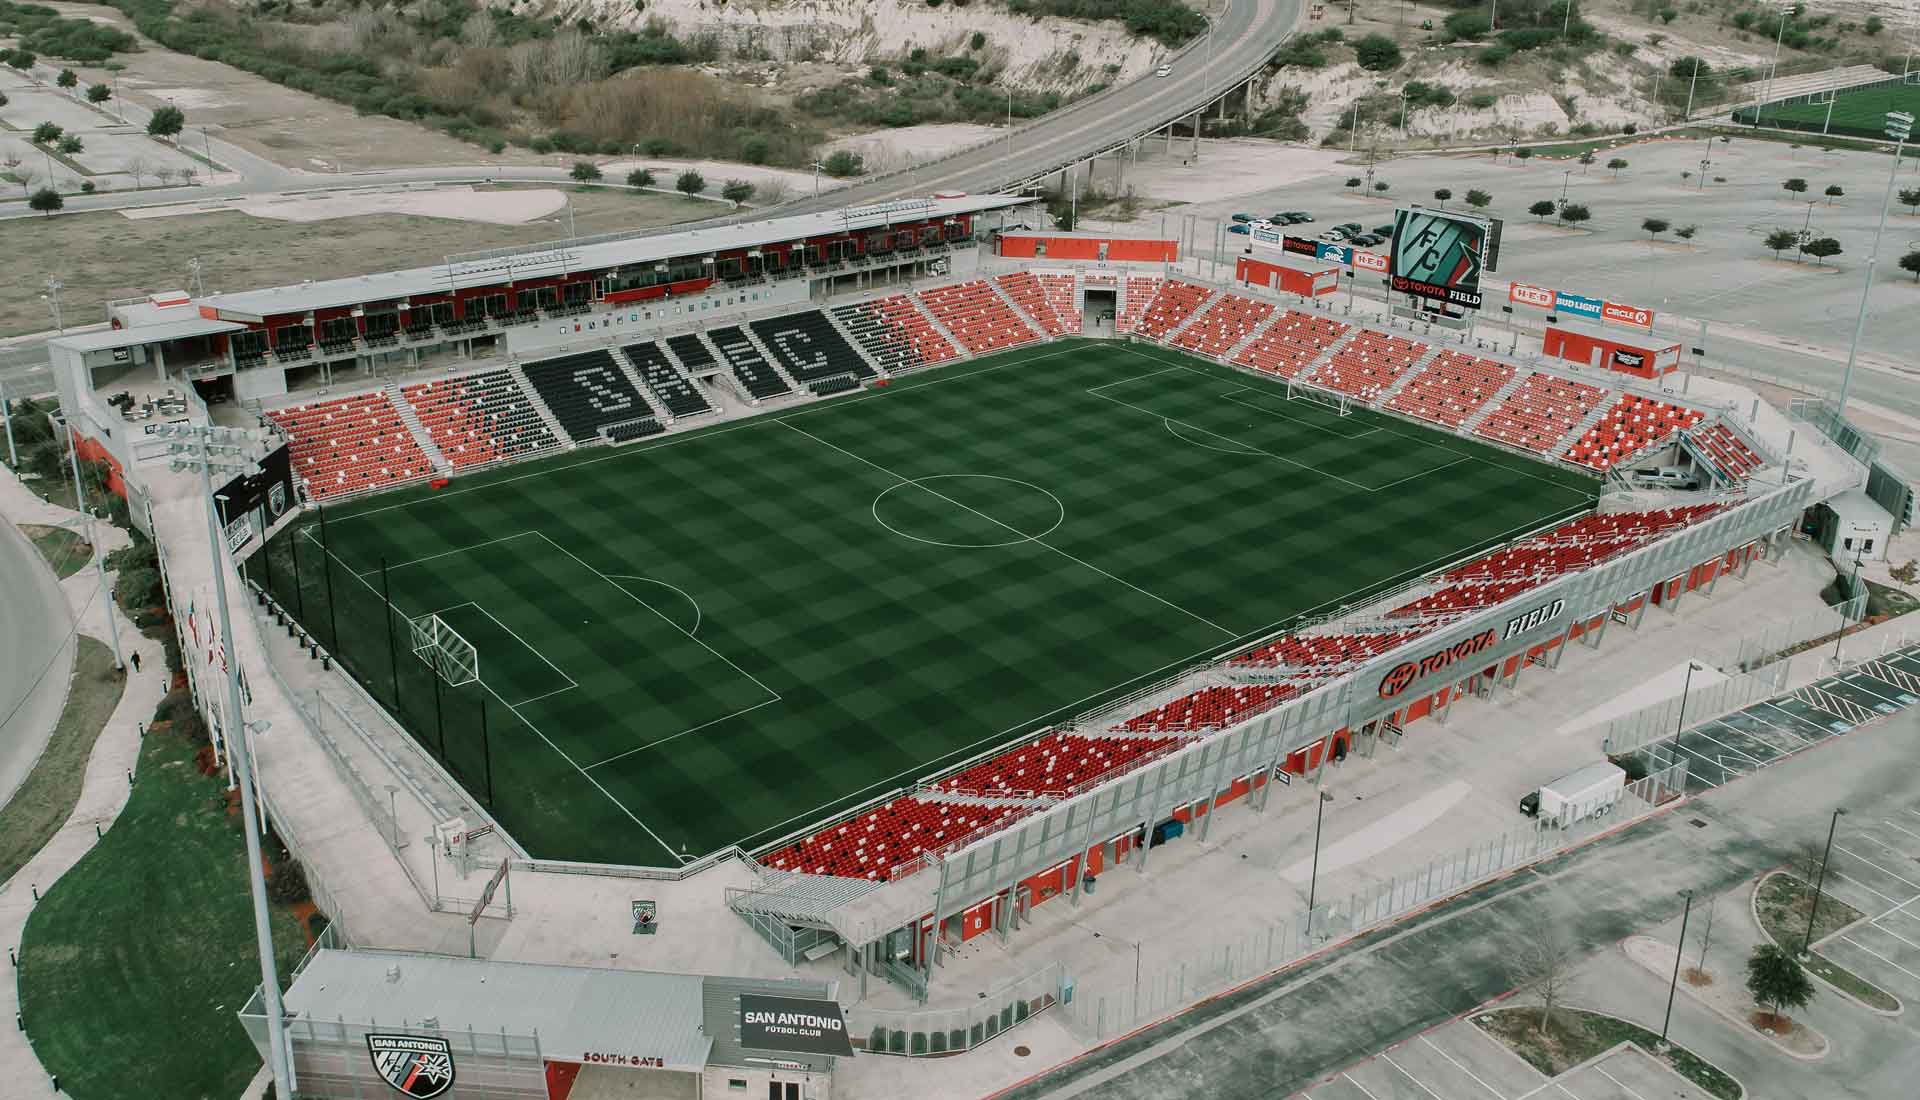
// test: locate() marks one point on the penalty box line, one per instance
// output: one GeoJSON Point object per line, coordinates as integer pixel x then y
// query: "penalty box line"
{"type": "Point", "coordinates": [524, 644]}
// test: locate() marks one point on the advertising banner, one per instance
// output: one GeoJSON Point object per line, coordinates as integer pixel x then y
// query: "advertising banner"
{"type": "Point", "coordinates": [1301, 246]}
{"type": "Point", "coordinates": [1338, 253]}
{"type": "Point", "coordinates": [1577, 304]}
{"type": "Point", "coordinates": [790, 1024]}
{"type": "Point", "coordinates": [1627, 315]}
{"type": "Point", "coordinates": [1369, 261]}
{"type": "Point", "coordinates": [1266, 234]}
{"type": "Point", "coordinates": [1527, 295]}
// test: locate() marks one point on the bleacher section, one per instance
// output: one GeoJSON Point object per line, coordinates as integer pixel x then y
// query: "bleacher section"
{"type": "Point", "coordinates": [1028, 293]}
{"type": "Point", "coordinates": [753, 371]}
{"type": "Point", "coordinates": [1290, 343]}
{"type": "Point", "coordinates": [479, 418]}
{"type": "Point", "coordinates": [1176, 302]}
{"type": "Point", "coordinates": [1321, 650]}
{"type": "Point", "coordinates": [1141, 291]}
{"type": "Point", "coordinates": [350, 443]}
{"type": "Point", "coordinates": [895, 333]}
{"type": "Point", "coordinates": [813, 351]}
{"type": "Point", "coordinates": [871, 845]}
{"type": "Point", "coordinates": [1063, 294]}
{"type": "Point", "coordinates": [1578, 544]}
{"type": "Point", "coordinates": [1632, 424]}
{"type": "Point", "coordinates": [1053, 765]}
{"type": "Point", "coordinates": [586, 391]}
{"type": "Point", "coordinates": [1541, 412]}
{"type": "Point", "coordinates": [1464, 597]}
{"type": "Point", "coordinates": [1729, 452]}
{"type": "Point", "coordinates": [1452, 388]}
{"type": "Point", "coordinates": [1368, 365]}
{"type": "Point", "coordinates": [977, 316]}
{"type": "Point", "coordinates": [692, 353]}
{"type": "Point", "coordinates": [1209, 708]}
{"type": "Point", "coordinates": [1224, 325]}
{"type": "Point", "coordinates": [675, 392]}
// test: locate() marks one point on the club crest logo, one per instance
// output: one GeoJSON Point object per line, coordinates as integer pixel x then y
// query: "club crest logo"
{"type": "Point", "coordinates": [414, 1066]}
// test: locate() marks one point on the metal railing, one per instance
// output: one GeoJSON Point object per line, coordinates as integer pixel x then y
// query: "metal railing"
{"type": "Point", "coordinates": [937, 1031]}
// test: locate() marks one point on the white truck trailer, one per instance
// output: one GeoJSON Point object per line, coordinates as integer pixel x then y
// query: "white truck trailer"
{"type": "Point", "coordinates": [1589, 792]}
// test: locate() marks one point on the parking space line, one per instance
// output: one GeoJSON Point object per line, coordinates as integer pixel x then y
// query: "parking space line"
{"type": "Point", "coordinates": [1877, 926]}
{"type": "Point", "coordinates": [1702, 731]}
{"type": "Point", "coordinates": [1403, 1072]}
{"type": "Point", "coordinates": [1907, 831]}
{"type": "Point", "coordinates": [1852, 682]}
{"type": "Point", "coordinates": [1462, 1069]}
{"type": "Point", "coordinates": [1807, 722]}
{"type": "Point", "coordinates": [1358, 1085]}
{"type": "Point", "coordinates": [1849, 878]}
{"type": "Point", "coordinates": [1891, 850]}
{"type": "Point", "coordinates": [1882, 958]}
{"type": "Point", "coordinates": [1623, 1087]}
{"type": "Point", "coordinates": [1876, 866]}
{"type": "Point", "coordinates": [1753, 712]}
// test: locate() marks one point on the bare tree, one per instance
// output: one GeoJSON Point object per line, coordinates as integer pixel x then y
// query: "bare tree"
{"type": "Point", "coordinates": [1705, 938]}
{"type": "Point", "coordinates": [479, 31]}
{"type": "Point", "coordinates": [1542, 965]}
{"type": "Point", "coordinates": [164, 174]}
{"type": "Point", "coordinates": [187, 174]}
{"type": "Point", "coordinates": [138, 168]}
{"type": "Point", "coordinates": [774, 191]}
{"type": "Point", "coordinates": [1806, 860]}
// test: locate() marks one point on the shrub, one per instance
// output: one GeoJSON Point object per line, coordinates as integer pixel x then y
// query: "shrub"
{"type": "Point", "coordinates": [288, 885]}
{"type": "Point", "coordinates": [1480, 101]}
{"type": "Point", "coordinates": [46, 201]}
{"type": "Point", "coordinates": [736, 191]}
{"type": "Point", "coordinates": [70, 144]}
{"type": "Point", "coordinates": [690, 183]}
{"type": "Point", "coordinates": [1377, 53]}
{"type": "Point", "coordinates": [585, 170]}
{"type": "Point", "coordinates": [1495, 55]}
{"type": "Point", "coordinates": [1875, 25]}
{"type": "Point", "coordinates": [978, 41]}
{"type": "Point", "coordinates": [88, 187]}
{"type": "Point", "coordinates": [640, 177]}
{"type": "Point", "coordinates": [841, 164]}
{"type": "Point", "coordinates": [99, 93]}
{"type": "Point", "coordinates": [1542, 208]}
{"type": "Point", "coordinates": [46, 133]}
{"type": "Point", "coordinates": [166, 121]}
{"type": "Point", "coordinates": [878, 74]}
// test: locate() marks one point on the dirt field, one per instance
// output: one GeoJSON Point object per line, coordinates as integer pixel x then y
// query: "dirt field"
{"type": "Point", "coordinates": [100, 257]}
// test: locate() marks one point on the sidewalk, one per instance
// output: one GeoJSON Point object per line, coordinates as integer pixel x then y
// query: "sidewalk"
{"type": "Point", "coordinates": [104, 790]}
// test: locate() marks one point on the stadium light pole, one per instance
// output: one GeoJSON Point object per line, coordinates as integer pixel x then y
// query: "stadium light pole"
{"type": "Point", "coordinates": [1821, 880]}
{"type": "Point", "coordinates": [1785, 10]}
{"type": "Point", "coordinates": [1678, 950]}
{"type": "Point", "coordinates": [1899, 128]}
{"type": "Point", "coordinates": [1692, 82]}
{"type": "Point", "coordinates": [1313, 877]}
{"type": "Point", "coordinates": [204, 449]}
{"type": "Point", "coordinates": [1680, 724]}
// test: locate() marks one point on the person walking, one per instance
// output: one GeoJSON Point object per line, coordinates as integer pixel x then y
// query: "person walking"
{"type": "Point", "coordinates": [135, 658]}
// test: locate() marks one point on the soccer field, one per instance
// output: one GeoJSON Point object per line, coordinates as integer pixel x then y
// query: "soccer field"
{"type": "Point", "coordinates": [724, 635]}
{"type": "Point", "coordinates": [1858, 113]}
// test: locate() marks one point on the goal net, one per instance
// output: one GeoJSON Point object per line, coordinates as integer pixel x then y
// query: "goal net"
{"type": "Point", "coordinates": [1333, 402]}
{"type": "Point", "coordinates": [442, 647]}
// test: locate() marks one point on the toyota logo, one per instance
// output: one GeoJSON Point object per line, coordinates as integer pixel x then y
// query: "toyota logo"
{"type": "Point", "coordinates": [1399, 679]}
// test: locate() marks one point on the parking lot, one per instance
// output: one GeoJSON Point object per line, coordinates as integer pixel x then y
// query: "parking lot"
{"type": "Point", "coordinates": [1736, 744]}
{"type": "Point", "coordinates": [1875, 867]}
{"type": "Point", "coordinates": [1458, 1061]}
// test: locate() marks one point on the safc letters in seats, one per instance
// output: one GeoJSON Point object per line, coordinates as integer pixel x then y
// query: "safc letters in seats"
{"type": "Point", "coordinates": [415, 1066]}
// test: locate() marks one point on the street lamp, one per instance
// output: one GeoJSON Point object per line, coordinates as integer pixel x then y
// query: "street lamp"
{"type": "Point", "coordinates": [1853, 587]}
{"type": "Point", "coordinates": [206, 449]}
{"type": "Point", "coordinates": [1813, 913]}
{"type": "Point", "coordinates": [817, 166]}
{"type": "Point", "coordinates": [52, 297]}
{"type": "Point", "coordinates": [1786, 9]}
{"type": "Point", "coordinates": [1678, 950]}
{"type": "Point", "coordinates": [1680, 725]}
{"type": "Point", "coordinates": [1899, 127]}
{"type": "Point", "coordinates": [1313, 878]}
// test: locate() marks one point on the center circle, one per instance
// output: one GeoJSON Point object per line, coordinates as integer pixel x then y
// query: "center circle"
{"type": "Point", "coordinates": [968, 511]}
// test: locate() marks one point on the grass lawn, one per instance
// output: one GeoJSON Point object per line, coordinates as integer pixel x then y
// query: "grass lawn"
{"type": "Point", "coordinates": [1784, 903]}
{"type": "Point", "coordinates": [1858, 113]}
{"type": "Point", "coordinates": [65, 551]}
{"type": "Point", "coordinates": [133, 965]}
{"type": "Point", "coordinates": [1574, 1036]}
{"type": "Point", "coordinates": [45, 798]}
{"type": "Point", "coordinates": [721, 636]}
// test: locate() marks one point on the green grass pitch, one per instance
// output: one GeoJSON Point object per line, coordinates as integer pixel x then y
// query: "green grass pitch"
{"type": "Point", "coordinates": [1859, 113]}
{"type": "Point", "coordinates": [724, 635]}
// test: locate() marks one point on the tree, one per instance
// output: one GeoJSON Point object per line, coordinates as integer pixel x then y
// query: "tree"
{"type": "Point", "coordinates": [690, 183]}
{"type": "Point", "coordinates": [1574, 213]}
{"type": "Point", "coordinates": [3, 99]}
{"type": "Point", "coordinates": [1542, 208]}
{"type": "Point", "coordinates": [46, 133]}
{"type": "Point", "coordinates": [1478, 199]}
{"type": "Point", "coordinates": [1377, 53]}
{"type": "Point", "coordinates": [21, 59]}
{"type": "Point", "coordinates": [1353, 182]}
{"type": "Point", "coordinates": [1655, 227]}
{"type": "Point", "coordinates": [1874, 25]}
{"type": "Point", "coordinates": [585, 171]}
{"type": "Point", "coordinates": [46, 200]}
{"type": "Point", "coordinates": [640, 177]}
{"type": "Point", "coordinates": [138, 167]}
{"type": "Point", "coordinates": [1685, 68]}
{"type": "Point", "coordinates": [1542, 965]}
{"type": "Point", "coordinates": [1616, 164]}
{"type": "Point", "coordinates": [736, 191]}
{"type": "Point", "coordinates": [1586, 160]}
{"type": "Point", "coordinates": [1821, 248]}
{"type": "Point", "coordinates": [1686, 232]}
{"type": "Point", "coordinates": [1705, 938]}
{"type": "Point", "coordinates": [1911, 262]}
{"type": "Point", "coordinates": [187, 174]}
{"type": "Point", "coordinates": [1523, 152]}
{"type": "Point", "coordinates": [164, 174]}
{"type": "Point", "coordinates": [1834, 191]}
{"type": "Point", "coordinates": [1776, 980]}
{"type": "Point", "coordinates": [1796, 186]}
{"type": "Point", "coordinates": [1443, 194]}
{"type": "Point", "coordinates": [67, 79]}
{"type": "Point", "coordinates": [1779, 240]}
{"type": "Point", "coordinates": [166, 122]}
{"type": "Point", "coordinates": [99, 93]}
{"type": "Point", "coordinates": [1910, 198]}
{"type": "Point", "coordinates": [1380, 185]}
{"type": "Point", "coordinates": [71, 144]}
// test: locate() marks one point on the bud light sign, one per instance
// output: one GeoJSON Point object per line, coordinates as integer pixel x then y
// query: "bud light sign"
{"type": "Point", "coordinates": [1577, 304]}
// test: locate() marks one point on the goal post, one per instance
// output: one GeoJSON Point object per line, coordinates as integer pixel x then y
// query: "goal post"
{"type": "Point", "coordinates": [1335, 403]}
{"type": "Point", "coordinates": [442, 647]}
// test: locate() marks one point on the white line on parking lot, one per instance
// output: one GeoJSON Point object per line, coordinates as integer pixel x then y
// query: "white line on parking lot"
{"type": "Point", "coordinates": [1622, 1084]}
{"type": "Point", "coordinates": [1461, 1068]}
{"type": "Point", "coordinates": [1891, 850]}
{"type": "Point", "coordinates": [1876, 866]}
{"type": "Point", "coordinates": [1403, 1072]}
{"type": "Point", "coordinates": [1883, 928]}
{"type": "Point", "coordinates": [1358, 1085]}
{"type": "Point", "coordinates": [1881, 957]}
{"type": "Point", "coordinates": [1907, 831]}
{"type": "Point", "coordinates": [1849, 878]}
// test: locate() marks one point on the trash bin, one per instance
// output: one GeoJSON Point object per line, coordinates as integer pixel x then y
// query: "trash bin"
{"type": "Point", "coordinates": [1090, 881]}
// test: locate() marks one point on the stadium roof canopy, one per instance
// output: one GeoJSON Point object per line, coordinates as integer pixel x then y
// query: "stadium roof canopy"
{"type": "Point", "coordinates": [179, 328]}
{"type": "Point", "coordinates": [561, 258]}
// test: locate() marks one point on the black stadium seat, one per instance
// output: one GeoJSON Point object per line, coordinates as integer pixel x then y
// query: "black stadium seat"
{"type": "Point", "coordinates": [760, 379]}
{"type": "Point", "coordinates": [674, 391]}
{"type": "Point", "coordinates": [585, 392]}
{"type": "Point", "coordinates": [693, 354]}
{"type": "Point", "coordinates": [810, 348]}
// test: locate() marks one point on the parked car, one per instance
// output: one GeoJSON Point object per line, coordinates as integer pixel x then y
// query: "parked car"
{"type": "Point", "coordinates": [1237, 227]}
{"type": "Point", "coordinates": [1368, 240]}
{"type": "Point", "coordinates": [1384, 230]}
{"type": "Point", "coordinates": [1301, 215]}
{"type": "Point", "coordinates": [1334, 236]}
{"type": "Point", "coordinates": [1243, 218]}
{"type": "Point", "coordinates": [1665, 477]}
{"type": "Point", "coordinates": [1352, 228]}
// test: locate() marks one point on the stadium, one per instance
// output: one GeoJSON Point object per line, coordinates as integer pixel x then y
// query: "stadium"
{"type": "Point", "coordinates": [873, 579]}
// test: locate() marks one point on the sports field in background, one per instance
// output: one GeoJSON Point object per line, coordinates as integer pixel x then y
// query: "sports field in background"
{"type": "Point", "coordinates": [1861, 112]}
{"type": "Point", "coordinates": [724, 635]}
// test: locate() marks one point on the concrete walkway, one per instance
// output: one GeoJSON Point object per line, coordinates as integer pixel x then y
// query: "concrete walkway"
{"type": "Point", "coordinates": [104, 790]}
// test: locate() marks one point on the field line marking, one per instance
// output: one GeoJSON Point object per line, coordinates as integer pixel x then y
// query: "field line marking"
{"type": "Point", "coordinates": [697, 613]}
{"type": "Point", "coordinates": [662, 618]}
{"type": "Point", "coordinates": [1016, 531]}
{"type": "Point", "coordinates": [1278, 415]}
{"type": "Point", "coordinates": [450, 553]}
{"type": "Point", "coordinates": [538, 732]}
{"type": "Point", "coordinates": [1168, 424]}
{"type": "Point", "coordinates": [545, 695]}
{"type": "Point", "coordinates": [1425, 473]}
{"type": "Point", "coordinates": [1455, 1063]}
{"type": "Point", "coordinates": [1419, 1084]}
{"type": "Point", "coordinates": [713, 430]}
{"type": "Point", "coordinates": [1205, 431]}
{"type": "Point", "coordinates": [1135, 378]}
{"type": "Point", "coordinates": [623, 754]}
{"type": "Point", "coordinates": [571, 682]}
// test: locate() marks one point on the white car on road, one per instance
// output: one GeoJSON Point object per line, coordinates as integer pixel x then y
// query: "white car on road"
{"type": "Point", "coordinates": [1164, 70]}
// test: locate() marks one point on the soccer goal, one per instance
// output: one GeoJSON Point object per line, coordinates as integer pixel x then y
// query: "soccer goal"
{"type": "Point", "coordinates": [441, 646]}
{"type": "Point", "coordinates": [1335, 402]}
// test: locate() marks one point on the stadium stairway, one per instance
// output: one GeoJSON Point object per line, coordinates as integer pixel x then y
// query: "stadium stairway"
{"type": "Point", "coordinates": [840, 326]}
{"type": "Point", "coordinates": [411, 418]}
{"type": "Point", "coordinates": [1044, 323]}
{"type": "Point", "coordinates": [539, 404]}
{"type": "Point", "coordinates": [746, 370]}
{"type": "Point", "coordinates": [1212, 299]}
{"type": "Point", "coordinates": [670, 389]}
{"type": "Point", "coordinates": [1471, 425]}
{"type": "Point", "coordinates": [1222, 326]}
{"type": "Point", "coordinates": [1253, 334]}
{"type": "Point", "coordinates": [773, 361]}
{"type": "Point", "coordinates": [1327, 353]}
{"type": "Point", "coordinates": [946, 333]}
{"type": "Point", "coordinates": [1593, 417]}
{"type": "Point", "coordinates": [639, 384]}
{"type": "Point", "coordinates": [1422, 363]}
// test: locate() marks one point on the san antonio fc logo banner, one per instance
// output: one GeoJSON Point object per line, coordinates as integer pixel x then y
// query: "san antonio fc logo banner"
{"type": "Point", "coordinates": [413, 1065]}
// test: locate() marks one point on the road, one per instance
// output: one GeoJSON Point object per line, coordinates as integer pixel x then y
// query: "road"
{"type": "Point", "coordinates": [36, 656]}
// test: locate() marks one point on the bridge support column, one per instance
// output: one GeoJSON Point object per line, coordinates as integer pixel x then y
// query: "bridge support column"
{"type": "Point", "coordinates": [1249, 103]}
{"type": "Point", "coordinates": [1196, 133]}
{"type": "Point", "coordinates": [1169, 139]}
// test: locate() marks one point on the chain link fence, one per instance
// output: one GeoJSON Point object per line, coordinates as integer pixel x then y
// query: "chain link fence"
{"type": "Point", "coordinates": [1107, 1005]}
